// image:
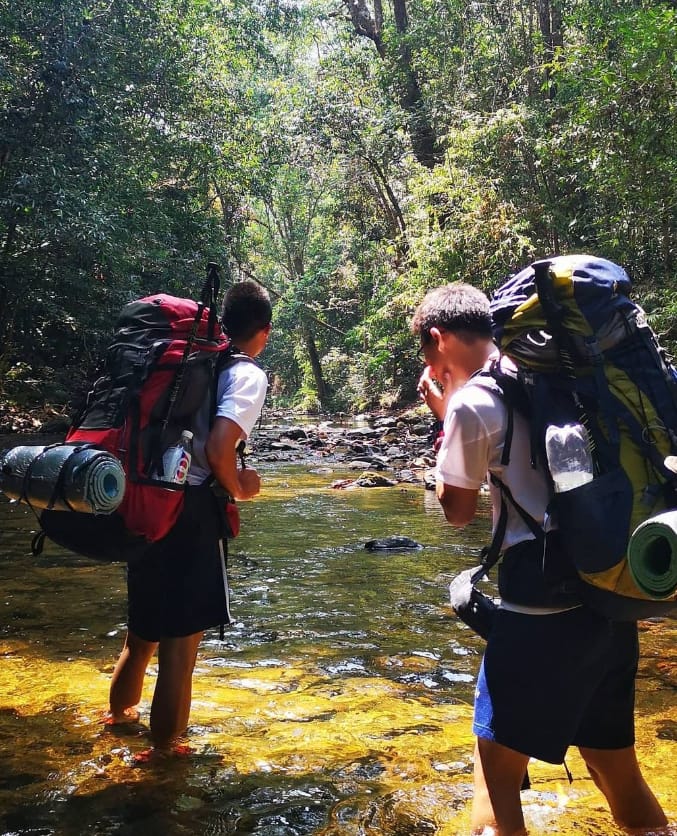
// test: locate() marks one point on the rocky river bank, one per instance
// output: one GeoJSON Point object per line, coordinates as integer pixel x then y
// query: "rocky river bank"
{"type": "Point", "coordinates": [383, 449]}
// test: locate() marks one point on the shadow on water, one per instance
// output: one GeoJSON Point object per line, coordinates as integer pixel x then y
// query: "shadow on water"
{"type": "Point", "coordinates": [339, 703]}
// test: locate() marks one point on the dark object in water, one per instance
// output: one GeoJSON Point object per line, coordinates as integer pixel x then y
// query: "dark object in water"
{"type": "Point", "coordinates": [392, 544]}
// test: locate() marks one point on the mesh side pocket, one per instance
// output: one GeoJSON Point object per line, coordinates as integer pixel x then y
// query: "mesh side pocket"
{"type": "Point", "coordinates": [594, 521]}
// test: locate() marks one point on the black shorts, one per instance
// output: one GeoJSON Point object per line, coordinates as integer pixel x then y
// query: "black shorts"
{"type": "Point", "coordinates": [178, 587]}
{"type": "Point", "coordinates": [548, 682]}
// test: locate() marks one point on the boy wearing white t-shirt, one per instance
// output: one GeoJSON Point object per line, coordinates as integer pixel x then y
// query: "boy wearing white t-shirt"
{"type": "Point", "coordinates": [179, 588]}
{"type": "Point", "coordinates": [554, 672]}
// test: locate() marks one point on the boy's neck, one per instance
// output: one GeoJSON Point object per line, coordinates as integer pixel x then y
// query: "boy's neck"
{"type": "Point", "coordinates": [484, 351]}
{"type": "Point", "coordinates": [253, 346]}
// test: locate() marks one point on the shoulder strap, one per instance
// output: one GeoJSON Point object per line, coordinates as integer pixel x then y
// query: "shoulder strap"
{"type": "Point", "coordinates": [492, 552]}
{"type": "Point", "coordinates": [231, 356]}
{"type": "Point", "coordinates": [226, 359]}
{"type": "Point", "coordinates": [491, 379]}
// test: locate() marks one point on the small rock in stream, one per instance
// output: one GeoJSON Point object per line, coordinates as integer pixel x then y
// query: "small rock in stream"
{"type": "Point", "coordinates": [373, 480]}
{"type": "Point", "coordinates": [395, 542]}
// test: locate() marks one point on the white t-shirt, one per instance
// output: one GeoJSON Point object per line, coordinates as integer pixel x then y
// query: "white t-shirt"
{"type": "Point", "coordinates": [240, 393]}
{"type": "Point", "coordinates": [474, 435]}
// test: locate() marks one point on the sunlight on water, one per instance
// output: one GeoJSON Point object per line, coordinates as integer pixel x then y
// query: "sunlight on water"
{"type": "Point", "coordinates": [339, 703]}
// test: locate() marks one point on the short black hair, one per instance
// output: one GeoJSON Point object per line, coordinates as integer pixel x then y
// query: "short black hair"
{"type": "Point", "coordinates": [246, 310]}
{"type": "Point", "coordinates": [456, 307]}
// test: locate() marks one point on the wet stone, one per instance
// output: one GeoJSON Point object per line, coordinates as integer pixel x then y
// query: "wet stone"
{"type": "Point", "coordinates": [373, 480]}
{"type": "Point", "coordinates": [296, 433]}
{"type": "Point", "coordinates": [667, 730]}
{"type": "Point", "coordinates": [393, 543]}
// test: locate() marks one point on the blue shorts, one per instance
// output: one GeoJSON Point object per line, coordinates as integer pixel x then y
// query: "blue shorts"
{"type": "Point", "coordinates": [548, 682]}
{"type": "Point", "coordinates": [177, 588]}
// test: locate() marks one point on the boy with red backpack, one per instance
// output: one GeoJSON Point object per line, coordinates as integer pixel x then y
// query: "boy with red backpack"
{"type": "Point", "coordinates": [178, 589]}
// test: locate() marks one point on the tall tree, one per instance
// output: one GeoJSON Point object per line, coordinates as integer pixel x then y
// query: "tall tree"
{"type": "Point", "coordinates": [116, 120]}
{"type": "Point", "coordinates": [393, 45]}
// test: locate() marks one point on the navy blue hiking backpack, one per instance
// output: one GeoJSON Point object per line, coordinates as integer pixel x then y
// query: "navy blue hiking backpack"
{"type": "Point", "coordinates": [585, 354]}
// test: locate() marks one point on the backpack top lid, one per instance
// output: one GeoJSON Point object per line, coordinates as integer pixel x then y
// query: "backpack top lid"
{"type": "Point", "coordinates": [164, 317]}
{"type": "Point", "coordinates": [594, 286]}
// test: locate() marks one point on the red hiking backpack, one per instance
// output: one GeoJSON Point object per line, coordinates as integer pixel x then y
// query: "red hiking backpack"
{"type": "Point", "coordinates": [159, 369]}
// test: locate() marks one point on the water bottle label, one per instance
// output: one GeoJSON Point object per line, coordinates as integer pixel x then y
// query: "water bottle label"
{"type": "Point", "coordinates": [176, 463]}
{"type": "Point", "coordinates": [181, 473]}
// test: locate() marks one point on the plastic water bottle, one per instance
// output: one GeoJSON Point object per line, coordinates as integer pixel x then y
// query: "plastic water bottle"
{"type": "Point", "coordinates": [569, 458]}
{"type": "Point", "coordinates": [176, 460]}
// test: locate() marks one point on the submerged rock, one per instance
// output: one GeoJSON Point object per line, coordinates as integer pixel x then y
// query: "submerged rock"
{"type": "Point", "coordinates": [366, 480]}
{"type": "Point", "coordinates": [391, 544]}
{"type": "Point", "coordinates": [373, 480]}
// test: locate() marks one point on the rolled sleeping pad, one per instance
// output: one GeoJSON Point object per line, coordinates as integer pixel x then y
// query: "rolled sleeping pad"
{"type": "Point", "coordinates": [63, 477]}
{"type": "Point", "coordinates": [652, 555]}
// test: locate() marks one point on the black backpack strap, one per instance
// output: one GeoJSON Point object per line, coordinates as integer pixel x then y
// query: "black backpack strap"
{"type": "Point", "coordinates": [497, 381]}
{"type": "Point", "coordinates": [226, 359]}
{"type": "Point", "coordinates": [492, 553]}
{"type": "Point", "coordinates": [208, 299]}
{"type": "Point", "coordinates": [529, 521]}
{"type": "Point", "coordinates": [210, 292]}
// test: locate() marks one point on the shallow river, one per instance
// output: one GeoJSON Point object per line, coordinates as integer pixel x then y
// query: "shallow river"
{"type": "Point", "coordinates": [339, 703]}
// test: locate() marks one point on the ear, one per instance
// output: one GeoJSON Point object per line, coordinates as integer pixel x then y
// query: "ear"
{"type": "Point", "coordinates": [436, 334]}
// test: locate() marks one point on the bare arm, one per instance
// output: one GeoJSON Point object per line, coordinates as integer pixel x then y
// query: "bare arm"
{"type": "Point", "coordinates": [459, 504]}
{"type": "Point", "coordinates": [222, 457]}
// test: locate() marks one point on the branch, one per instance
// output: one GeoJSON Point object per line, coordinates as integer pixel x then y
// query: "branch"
{"type": "Point", "coordinates": [366, 24]}
{"type": "Point", "coordinates": [277, 295]}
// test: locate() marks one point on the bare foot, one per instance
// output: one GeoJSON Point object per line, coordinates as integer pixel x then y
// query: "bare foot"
{"type": "Point", "coordinates": [154, 754]}
{"type": "Point", "coordinates": [128, 716]}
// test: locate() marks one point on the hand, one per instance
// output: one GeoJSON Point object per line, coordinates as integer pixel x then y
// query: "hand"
{"type": "Point", "coordinates": [250, 483]}
{"type": "Point", "coordinates": [435, 398]}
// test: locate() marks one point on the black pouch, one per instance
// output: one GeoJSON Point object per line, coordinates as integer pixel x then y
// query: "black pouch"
{"type": "Point", "coordinates": [473, 607]}
{"type": "Point", "coordinates": [101, 537]}
{"type": "Point", "coordinates": [594, 521]}
{"type": "Point", "coordinates": [539, 573]}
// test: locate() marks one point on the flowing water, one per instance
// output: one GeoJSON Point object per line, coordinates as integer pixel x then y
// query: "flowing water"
{"type": "Point", "coordinates": [339, 703]}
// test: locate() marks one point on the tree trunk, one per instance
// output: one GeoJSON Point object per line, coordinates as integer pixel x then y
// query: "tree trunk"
{"type": "Point", "coordinates": [6, 308]}
{"type": "Point", "coordinates": [423, 137]}
{"type": "Point", "coordinates": [552, 32]}
{"type": "Point", "coordinates": [422, 134]}
{"type": "Point", "coordinates": [368, 25]}
{"type": "Point", "coordinates": [315, 365]}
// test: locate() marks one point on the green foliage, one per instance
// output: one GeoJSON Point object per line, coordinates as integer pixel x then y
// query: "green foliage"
{"type": "Point", "coordinates": [108, 163]}
{"type": "Point", "coordinates": [140, 140]}
{"type": "Point", "coordinates": [619, 136]}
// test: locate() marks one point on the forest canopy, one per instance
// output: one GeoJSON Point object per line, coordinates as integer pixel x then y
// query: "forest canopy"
{"type": "Point", "coordinates": [348, 154]}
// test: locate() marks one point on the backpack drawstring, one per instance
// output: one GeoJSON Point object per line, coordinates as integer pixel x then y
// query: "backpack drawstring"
{"type": "Point", "coordinates": [226, 589]}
